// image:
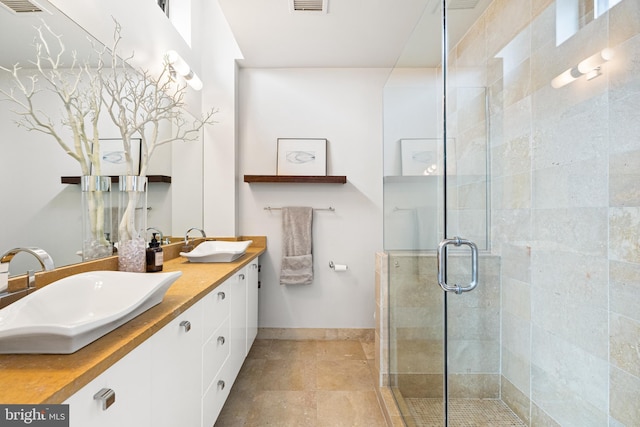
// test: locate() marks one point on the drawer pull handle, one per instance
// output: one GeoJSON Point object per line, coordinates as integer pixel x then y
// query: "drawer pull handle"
{"type": "Point", "coordinates": [241, 276]}
{"type": "Point", "coordinates": [221, 295]}
{"type": "Point", "coordinates": [106, 397]}
{"type": "Point", "coordinates": [221, 384]}
{"type": "Point", "coordinates": [221, 340]}
{"type": "Point", "coordinates": [186, 325]}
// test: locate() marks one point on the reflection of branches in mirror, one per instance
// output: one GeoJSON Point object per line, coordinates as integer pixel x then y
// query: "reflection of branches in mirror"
{"type": "Point", "coordinates": [76, 88]}
{"type": "Point", "coordinates": [138, 104]}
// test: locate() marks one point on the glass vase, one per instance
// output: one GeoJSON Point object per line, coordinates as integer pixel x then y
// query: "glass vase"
{"type": "Point", "coordinates": [132, 223]}
{"type": "Point", "coordinates": [96, 217]}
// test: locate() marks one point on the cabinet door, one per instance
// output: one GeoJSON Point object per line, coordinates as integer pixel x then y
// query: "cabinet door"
{"type": "Point", "coordinates": [176, 362]}
{"type": "Point", "coordinates": [129, 379]}
{"type": "Point", "coordinates": [237, 322]}
{"type": "Point", "coordinates": [252, 302]}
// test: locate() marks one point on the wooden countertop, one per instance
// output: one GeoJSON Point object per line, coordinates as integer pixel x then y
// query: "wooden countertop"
{"type": "Point", "coordinates": [41, 379]}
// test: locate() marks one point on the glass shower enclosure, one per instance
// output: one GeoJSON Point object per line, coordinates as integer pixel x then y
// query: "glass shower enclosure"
{"type": "Point", "coordinates": [511, 214]}
{"type": "Point", "coordinates": [444, 320]}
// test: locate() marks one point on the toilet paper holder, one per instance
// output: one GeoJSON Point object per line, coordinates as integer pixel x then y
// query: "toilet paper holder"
{"type": "Point", "coordinates": [338, 267]}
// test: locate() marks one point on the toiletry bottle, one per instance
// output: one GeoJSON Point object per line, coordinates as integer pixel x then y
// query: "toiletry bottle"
{"type": "Point", "coordinates": [154, 255]}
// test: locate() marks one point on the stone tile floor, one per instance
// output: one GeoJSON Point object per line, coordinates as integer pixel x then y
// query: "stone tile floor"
{"type": "Point", "coordinates": [305, 383]}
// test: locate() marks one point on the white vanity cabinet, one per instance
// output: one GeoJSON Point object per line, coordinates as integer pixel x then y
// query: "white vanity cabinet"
{"type": "Point", "coordinates": [238, 321]}
{"type": "Point", "coordinates": [215, 353]}
{"type": "Point", "coordinates": [175, 361]}
{"type": "Point", "coordinates": [182, 375]}
{"type": "Point", "coordinates": [252, 303]}
{"type": "Point", "coordinates": [127, 389]}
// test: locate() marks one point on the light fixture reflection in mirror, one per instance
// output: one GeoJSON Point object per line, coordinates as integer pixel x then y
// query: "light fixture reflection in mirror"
{"type": "Point", "coordinates": [183, 69]}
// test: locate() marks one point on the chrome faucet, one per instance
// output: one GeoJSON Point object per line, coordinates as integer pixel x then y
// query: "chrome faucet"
{"type": "Point", "coordinates": [41, 255]}
{"type": "Point", "coordinates": [188, 247]}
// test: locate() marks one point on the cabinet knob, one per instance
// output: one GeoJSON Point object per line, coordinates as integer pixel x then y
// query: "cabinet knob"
{"type": "Point", "coordinates": [241, 276]}
{"type": "Point", "coordinates": [221, 295]}
{"type": "Point", "coordinates": [221, 340]}
{"type": "Point", "coordinates": [221, 384]}
{"type": "Point", "coordinates": [186, 325]}
{"type": "Point", "coordinates": [106, 397]}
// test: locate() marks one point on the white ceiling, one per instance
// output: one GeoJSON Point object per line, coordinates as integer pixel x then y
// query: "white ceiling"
{"type": "Point", "coordinates": [353, 33]}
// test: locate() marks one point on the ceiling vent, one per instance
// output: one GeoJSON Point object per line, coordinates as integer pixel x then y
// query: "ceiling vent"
{"type": "Point", "coordinates": [308, 6]}
{"type": "Point", "coordinates": [22, 6]}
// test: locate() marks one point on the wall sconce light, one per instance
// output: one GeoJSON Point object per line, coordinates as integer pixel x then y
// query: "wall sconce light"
{"type": "Point", "coordinates": [179, 66]}
{"type": "Point", "coordinates": [591, 67]}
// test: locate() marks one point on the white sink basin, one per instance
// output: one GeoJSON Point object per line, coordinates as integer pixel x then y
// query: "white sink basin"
{"type": "Point", "coordinates": [72, 312]}
{"type": "Point", "coordinates": [217, 251]}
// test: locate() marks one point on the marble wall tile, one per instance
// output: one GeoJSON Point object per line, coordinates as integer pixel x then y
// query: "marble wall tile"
{"type": "Point", "coordinates": [624, 177]}
{"type": "Point", "coordinates": [505, 19]}
{"type": "Point", "coordinates": [514, 156]}
{"type": "Point", "coordinates": [474, 386]}
{"type": "Point", "coordinates": [518, 402]}
{"type": "Point", "coordinates": [516, 368]}
{"type": "Point", "coordinates": [539, 418]}
{"type": "Point", "coordinates": [624, 397]}
{"type": "Point", "coordinates": [568, 383]}
{"type": "Point", "coordinates": [574, 185]}
{"type": "Point", "coordinates": [569, 298]}
{"type": "Point", "coordinates": [623, 226]}
{"type": "Point", "coordinates": [512, 192]}
{"type": "Point", "coordinates": [625, 344]}
{"type": "Point", "coordinates": [624, 289]}
{"type": "Point", "coordinates": [578, 230]}
{"type": "Point", "coordinates": [624, 22]}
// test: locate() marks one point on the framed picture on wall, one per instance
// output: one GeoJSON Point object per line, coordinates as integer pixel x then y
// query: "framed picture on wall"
{"type": "Point", "coordinates": [113, 160]}
{"type": "Point", "coordinates": [419, 156]}
{"type": "Point", "coordinates": [302, 156]}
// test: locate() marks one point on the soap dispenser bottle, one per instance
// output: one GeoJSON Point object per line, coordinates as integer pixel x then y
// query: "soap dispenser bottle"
{"type": "Point", "coordinates": [154, 255]}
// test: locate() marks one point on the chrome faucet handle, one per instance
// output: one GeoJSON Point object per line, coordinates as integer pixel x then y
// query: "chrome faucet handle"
{"type": "Point", "coordinates": [41, 255]}
{"type": "Point", "coordinates": [186, 236]}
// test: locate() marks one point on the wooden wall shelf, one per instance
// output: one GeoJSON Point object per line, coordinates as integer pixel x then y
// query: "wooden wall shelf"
{"type": "Point", "coordinates": [308, 179]}
{"type": "Point", "coordinates": [116, 179]}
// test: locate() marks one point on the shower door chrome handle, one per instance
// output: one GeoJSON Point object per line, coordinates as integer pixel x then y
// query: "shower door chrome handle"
{"type": "Point", "coordinates": [457, 241]}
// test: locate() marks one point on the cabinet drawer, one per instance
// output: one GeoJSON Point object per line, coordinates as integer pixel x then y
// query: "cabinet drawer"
{"type": "Point", "coordinates": [214, 398]}
{"type": "Point", "coordinates": [214, 353]}
{"type": "Point", "coordinates": [215, 309]}
{"type": "Point", "coordinates": [129, 380]}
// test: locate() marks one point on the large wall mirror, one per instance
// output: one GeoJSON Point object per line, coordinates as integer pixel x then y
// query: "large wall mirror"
{"type": "Point", "coordinates": [37, 209]}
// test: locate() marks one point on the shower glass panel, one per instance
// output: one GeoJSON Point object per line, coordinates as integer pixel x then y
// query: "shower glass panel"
{"type": "Point", "coordinates": [547, 91]}
{"type": "Point", "coordinates": [444, 349]}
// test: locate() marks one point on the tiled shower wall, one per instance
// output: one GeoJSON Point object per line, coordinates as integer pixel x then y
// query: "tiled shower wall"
{"type": "Point", "coordinates": [565, 206]}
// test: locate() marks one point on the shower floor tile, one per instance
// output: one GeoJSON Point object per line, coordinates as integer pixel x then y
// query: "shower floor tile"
{"type": "Point", "coordinates": [462, 413]}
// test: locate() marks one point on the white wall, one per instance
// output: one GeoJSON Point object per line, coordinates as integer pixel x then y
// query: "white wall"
{"type": "Point", "coordinates": [345, 107]}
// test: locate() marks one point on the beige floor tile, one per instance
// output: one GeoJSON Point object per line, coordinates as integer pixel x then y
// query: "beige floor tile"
{"type": "Point", "coordinates": [349, 409]}
{"type": "Point", "coordinates": [283, 408]}
{"type": "Point", "coordinates": [291, 349]}
{"type": "Point", "coordinates": [303, 384]}
{"type": "Point", "coordinates": [340, 350]}
{"type": "Point", "coordinates": [344, 375]}
{"type": "Point", "coordinates": [369, 349]}
{"type": "Point", "coordinates": [289, 375]}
